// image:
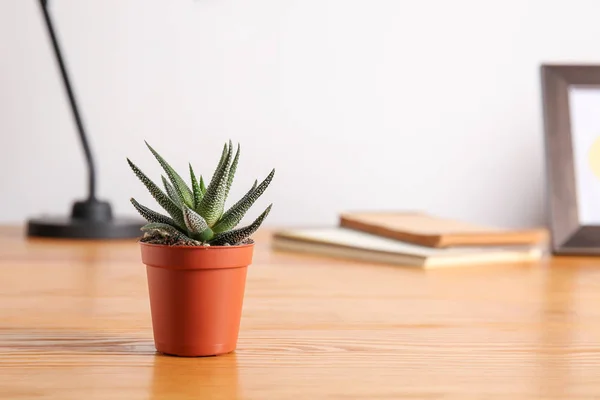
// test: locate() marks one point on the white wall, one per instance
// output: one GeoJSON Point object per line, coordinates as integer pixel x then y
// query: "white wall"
{"type": "Point", "coordinates": [373, 104]}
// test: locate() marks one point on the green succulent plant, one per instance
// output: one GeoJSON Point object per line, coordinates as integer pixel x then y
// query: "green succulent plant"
{"type": "Point", "coordinates": [196, 212]}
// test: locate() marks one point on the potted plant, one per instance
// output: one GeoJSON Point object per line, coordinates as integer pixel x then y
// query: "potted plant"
{"type": "Point", "coordinates": [196, 257]}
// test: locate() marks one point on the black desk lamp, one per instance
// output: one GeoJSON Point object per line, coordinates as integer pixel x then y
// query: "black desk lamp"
{"type": "Point", "coordinates": [90, 218]}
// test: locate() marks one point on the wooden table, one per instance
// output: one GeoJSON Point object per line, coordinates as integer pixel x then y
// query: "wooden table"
{"type": "Point", "coordinates": [75, 324]}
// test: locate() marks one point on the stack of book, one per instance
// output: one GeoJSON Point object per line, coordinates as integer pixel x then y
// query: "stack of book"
{"type": "Point", "coordinates": [414, 239]}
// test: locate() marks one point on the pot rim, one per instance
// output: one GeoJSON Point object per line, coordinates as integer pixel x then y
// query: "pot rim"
{"type": "Point", "coordinates": [197, 248]}
{"type": "Point", "coordinates": [196, 257]}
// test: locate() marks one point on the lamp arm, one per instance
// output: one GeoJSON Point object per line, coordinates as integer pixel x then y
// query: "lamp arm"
{"type": "Point", "coordinates": [82, 135]}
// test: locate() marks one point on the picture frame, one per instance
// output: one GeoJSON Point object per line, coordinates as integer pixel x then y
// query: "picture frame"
{"type": "Point", "coordinates": [571, 119]}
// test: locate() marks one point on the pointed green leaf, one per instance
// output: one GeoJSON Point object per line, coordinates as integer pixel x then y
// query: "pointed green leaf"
{"type": "Point", "coordinates": [183, 190]}
{"type": "Point", "coordinates": [212, 204]}
{"type": "Point", "coordinates": [243, 199]}
{"type": "Point", "coordinates": [237, 236]}
{"type": "Point", "coordinates": [235, 214]}
{"type": "Point", "coordinates": [168, 231]}
{"type": "Point", "coordinates": [202, 185]}
{"type": "Point", "coordinates": [161, 227]}
{"type": "Point", "coordinates": [195, 189]}
{"type": "Point", "coordinates": [232, 170]}
{"type": "Point", "coordinates": [151, 215]}
{"type": "Point", "coordinates": [224, 155]}
{"type": "Point", "coordinates": [161, 198]}
{"type": "Point", "coordinates": [194, 221]}
{"type": "Point", "coordinates": [171, 192]}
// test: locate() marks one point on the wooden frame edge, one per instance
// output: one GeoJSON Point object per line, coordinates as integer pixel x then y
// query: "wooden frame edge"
{"type": "Point", "coordinates": [567, 235]}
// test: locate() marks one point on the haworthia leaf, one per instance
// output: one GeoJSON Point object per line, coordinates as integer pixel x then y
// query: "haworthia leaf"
{"type": "Point", "coordinates": [236, 236]}
{"type": "Point", "coordinates": [194, 221]}
{"type": "Point", "coordinates": [168, 231]}
{"type": "Point", "coordinates": [202, 185]}
{"type": "Point", "coordinates": [171, 192]}
{"type": "Point", "coordinates": [161, 227]}
{"type": "Point", "coordinates": [212, 204]}
{"type": "Point", "coordinates": [243, 199]}
{"type": "Point", "coordinates": [224, 155]}
{"type": "Point", "coordinates": [235, 214]}
{"type": "Point", "coordinates": [183, 190]}
{"type": "Point", "coordinates": [151, 215]}
{"type": "Point", "coordinates": [195, 189]}
{"type": "Point", "coordinates": [162, 199]}
{"type": "Point", "coordinates": [248, 193]}
{"type": "Point", "coordinates": [232, 170]}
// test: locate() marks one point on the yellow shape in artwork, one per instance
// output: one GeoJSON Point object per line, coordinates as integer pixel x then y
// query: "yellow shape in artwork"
{"type": "Point", "coordinates": [594, 157]}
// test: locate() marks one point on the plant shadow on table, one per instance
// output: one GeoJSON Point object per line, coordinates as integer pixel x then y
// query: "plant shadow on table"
{"type": "Point", "coordinates": [195, 377]}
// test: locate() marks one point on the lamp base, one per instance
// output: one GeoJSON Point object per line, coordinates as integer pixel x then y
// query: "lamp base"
{"type": "Point", "coordinates": [90, 219]}
{"type": "Point", "coordinates": [66, 227]}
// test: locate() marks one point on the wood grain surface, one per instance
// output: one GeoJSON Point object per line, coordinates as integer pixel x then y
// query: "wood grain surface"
{"type": "Point", "coordinates": [75, 324]}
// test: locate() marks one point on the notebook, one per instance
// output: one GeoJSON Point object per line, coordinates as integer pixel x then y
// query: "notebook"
{"type": "Point", "coordinates": [433, 231]}
{"type": "Point", "coordinates": [344, 243]}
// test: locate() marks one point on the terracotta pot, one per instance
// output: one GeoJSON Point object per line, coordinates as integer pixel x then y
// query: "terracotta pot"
{"type": "Point", "coordinates": [196, 296]}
